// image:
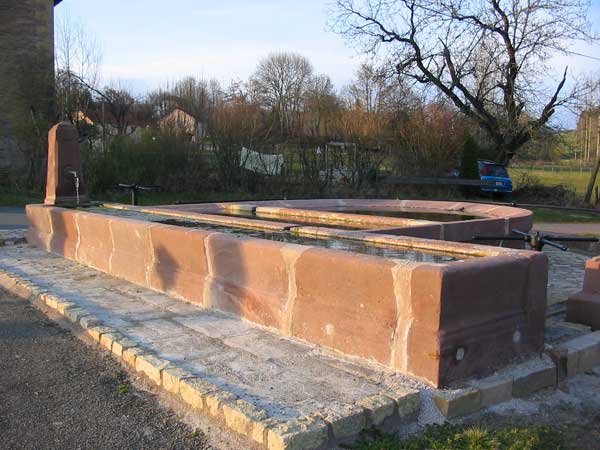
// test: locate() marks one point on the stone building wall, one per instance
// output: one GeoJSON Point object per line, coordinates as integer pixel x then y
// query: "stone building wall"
{"type": "Point", "coordinates": [26, 78]}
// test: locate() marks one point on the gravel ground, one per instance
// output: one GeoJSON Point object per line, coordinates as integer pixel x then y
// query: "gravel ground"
{"type": "Point", "coordinates": [59, 393]}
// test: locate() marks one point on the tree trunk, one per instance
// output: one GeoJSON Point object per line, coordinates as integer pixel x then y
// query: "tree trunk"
{"type": "Point", "coordinates": [504, 154]}
{"type": "Point", "coordinates": [592, 182]}
{"type": "Point", "coordinates": [594, 174]}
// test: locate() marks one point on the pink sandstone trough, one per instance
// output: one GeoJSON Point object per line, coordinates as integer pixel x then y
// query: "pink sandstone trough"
{"type": "Point", "coordinates": [437, 322]}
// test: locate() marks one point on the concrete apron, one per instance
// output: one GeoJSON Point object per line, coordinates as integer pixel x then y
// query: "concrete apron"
{"type": "Point", "coordinates": [278, 392]}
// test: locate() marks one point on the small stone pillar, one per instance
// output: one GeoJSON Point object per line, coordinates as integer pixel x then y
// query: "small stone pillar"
{"type": "Point", "coordinates": [64, 182]}
{"type": "Point", "coordinates": [584, 306]}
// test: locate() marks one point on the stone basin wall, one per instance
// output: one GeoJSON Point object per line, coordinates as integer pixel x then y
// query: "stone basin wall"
{"type": "Point", "coordinates": [492, 219]}
{"type": "Point", "coordinates": [437, 322]}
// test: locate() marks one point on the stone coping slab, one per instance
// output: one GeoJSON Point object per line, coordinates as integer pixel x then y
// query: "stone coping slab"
{"type": "Point", "coordinates": [204, 217]}
{"type": "Point", "coordinates": [278, 392]}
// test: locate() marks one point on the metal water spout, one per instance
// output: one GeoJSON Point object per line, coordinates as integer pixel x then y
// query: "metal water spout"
{"type": "Point", "coordinates": [76, 177]}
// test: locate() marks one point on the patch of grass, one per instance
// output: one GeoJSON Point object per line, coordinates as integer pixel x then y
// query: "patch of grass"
{"type": "Point", "coordinates": [144, 198]}
{"type": "Point", "coordinates": [544, 215]}
{"type": "Point", "coordinates": [122, 389]}
{"type": "Point", "coordinates": [577, 180]}
{"type": "Point", "coordinates": [18, 199]}
{"type": "Point", "coordinates": [454, 437]}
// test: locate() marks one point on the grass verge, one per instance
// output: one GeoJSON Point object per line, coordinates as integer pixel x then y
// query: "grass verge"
{"type": "Point", "coordinates": [577, 180]}
{"type": "Point", "coordinates": [169, 198]}
{"type": "Point", "coordinates": [544, 215]}
{"type": "Point", "coordinates": [144, 198]}
{"type": "Point", "coordinates": [18, 199]}
{"type": "Point", "coordinates": [454, 437]}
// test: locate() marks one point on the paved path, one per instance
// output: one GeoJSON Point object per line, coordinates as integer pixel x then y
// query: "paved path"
{"type": "Point", "coordinates": [58, 393]}
{"type": "Point", "coordinates": [565, 273]}
{"type": "Point", "coordinates": [12, 218]}
{"type": "Point", "coordinates": [566, 269]}
{"type": "Point", "coordinates": [286, 379]}
{"type": "Point", "coordinates": [569, 228]}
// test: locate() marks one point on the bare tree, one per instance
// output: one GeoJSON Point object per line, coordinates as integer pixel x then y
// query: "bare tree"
{"type": "Point", "coordinates": [192, 96]}
{"type": "Point", "coordinates": [280, 82]}
{"type": "Point", "coordinates": [78, 57]}
{"type": "Point", "coordinates": [235, 123]}
{"type": "Point", "coordinates": [321, 104]}
{"type": "Point", "coordinates": [487, 56]}
{"type": "Point", "coordinates": [117, 110]}
{"type": "Point", "coordinates": [370, 88]}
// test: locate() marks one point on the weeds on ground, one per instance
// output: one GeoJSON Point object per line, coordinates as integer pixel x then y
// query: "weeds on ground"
{"type": "Point", "coordinates": [531, 189]}
{"type": "Point", "coordinates": [453, 437]}
{"type": "Point", "coordinates": [562, 216]}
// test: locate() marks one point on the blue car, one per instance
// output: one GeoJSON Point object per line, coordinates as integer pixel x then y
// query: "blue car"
{"type": "Point", "coordinates": [497, 175]}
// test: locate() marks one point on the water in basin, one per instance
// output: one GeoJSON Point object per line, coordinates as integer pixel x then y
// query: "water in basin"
{"type": "Point", "coordinates": [308, 221]}
{"type": "Point", "coordinates": [408, 214]}
{"type": "Point", "coordinates": [355, 246]}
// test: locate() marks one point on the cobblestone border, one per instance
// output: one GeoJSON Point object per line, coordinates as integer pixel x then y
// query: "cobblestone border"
{"type": "Point", "coordinates": [311, 432]}
{"type": "Point", "coordinates": [577, 355]}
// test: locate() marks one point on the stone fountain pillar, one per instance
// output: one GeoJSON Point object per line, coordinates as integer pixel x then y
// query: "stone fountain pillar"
{"type": "Point", "coordinates": [64, 182]}
{"type": "Point", "coordinates": [584, 306]}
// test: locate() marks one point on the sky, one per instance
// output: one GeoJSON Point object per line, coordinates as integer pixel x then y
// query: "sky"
{"type": "Point", "coordinates": [147, 43]}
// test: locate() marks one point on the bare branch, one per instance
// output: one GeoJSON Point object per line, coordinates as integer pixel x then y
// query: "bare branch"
{"type": "Point", "coordinates": [488, 57]}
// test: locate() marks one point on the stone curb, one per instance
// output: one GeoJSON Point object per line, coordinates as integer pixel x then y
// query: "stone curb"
{"type": "Point", "coordinates": [577, 355]}
{"type": "Point", "coordinates": [317, 431]}
{"type": "Point", "coordinates": [458, 403]}
{"type": "Point", "coordinates": [377, 408]}
{"type": "Point", "coordinates": [517, 381]}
